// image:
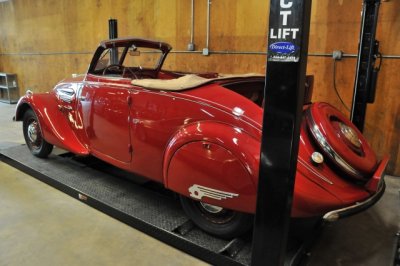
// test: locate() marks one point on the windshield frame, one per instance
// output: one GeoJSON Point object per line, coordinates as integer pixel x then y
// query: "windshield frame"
{"type": "Point", "coordinates": [126, 43]}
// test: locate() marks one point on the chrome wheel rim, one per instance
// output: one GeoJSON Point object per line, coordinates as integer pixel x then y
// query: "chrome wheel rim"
{"type": "Point", "coordinates": [211, 208]}
{"type": "Point", "coordinates": [215, 214]}
{"type": "Point", "coordinates": [34, 135]}
{"type": "Point", "coordinates": [32, 132]}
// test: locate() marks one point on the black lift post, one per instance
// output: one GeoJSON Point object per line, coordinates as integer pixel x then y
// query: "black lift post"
{"type": "Point", "coordinates": [113, 34]}
{"type": "Point", "coordinates": [366, 72]}
{"type": "Point", "coordinates": [289, 24]}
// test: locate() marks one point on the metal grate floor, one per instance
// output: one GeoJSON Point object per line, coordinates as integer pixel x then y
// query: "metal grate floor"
{"type": "Point", "coordinates": [140, 203]}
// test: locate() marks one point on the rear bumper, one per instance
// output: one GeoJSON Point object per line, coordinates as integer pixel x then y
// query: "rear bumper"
{"type": "Point", "coordinates": [375, 185]}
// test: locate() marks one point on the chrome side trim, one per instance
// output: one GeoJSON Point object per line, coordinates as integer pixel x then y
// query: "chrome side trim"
{"type": "Point", "coordinates": [322, 141]}
{"type": "Point", "coordinates": [335, 215]}
{"type": "Point", "coordinates": [302, 162]}
{"type": "Point", "coordinates": [198, 192]}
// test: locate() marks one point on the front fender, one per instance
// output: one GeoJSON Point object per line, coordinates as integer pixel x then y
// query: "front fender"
{"type": "Point", "coordinates": [53, 124]}
{"type": "Point", "coordinates": [216, 157]}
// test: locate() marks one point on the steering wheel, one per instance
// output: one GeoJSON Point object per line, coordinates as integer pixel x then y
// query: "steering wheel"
{"type": "Point", "coordinates": [113, 66]}
{"type": "Point", "coordinates": [131, 71]}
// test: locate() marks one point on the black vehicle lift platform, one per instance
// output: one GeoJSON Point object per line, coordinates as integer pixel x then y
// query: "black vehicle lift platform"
{"type": "Point", "coordinates": [142, 204]}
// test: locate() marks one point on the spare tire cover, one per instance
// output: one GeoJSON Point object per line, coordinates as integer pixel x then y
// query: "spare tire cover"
{"type": "Point", "coordinates": [341, 140]}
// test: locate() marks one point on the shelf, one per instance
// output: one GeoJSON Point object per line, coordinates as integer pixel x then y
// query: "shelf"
{"type": "Point", "coordinates": [9, 92]}
{"type": "Point", "coordinates": [6, 87]}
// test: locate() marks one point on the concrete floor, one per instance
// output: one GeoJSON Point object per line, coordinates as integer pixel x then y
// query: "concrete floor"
{"type": "Point", "coordinates": [367, 238]}
{"type": "Point", "coordinates": [41, 226]}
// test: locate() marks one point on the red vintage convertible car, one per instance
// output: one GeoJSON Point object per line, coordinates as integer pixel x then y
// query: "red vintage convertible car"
{"type": "Point", "coordinates": [199, 135]}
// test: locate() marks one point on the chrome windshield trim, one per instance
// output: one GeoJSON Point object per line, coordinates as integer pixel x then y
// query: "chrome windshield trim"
{"type": "Point", "coordinates": [322, 141]}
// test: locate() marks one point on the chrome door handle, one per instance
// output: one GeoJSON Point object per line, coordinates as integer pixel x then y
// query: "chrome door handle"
{"type": "Point", "coordinates": [65, 94]}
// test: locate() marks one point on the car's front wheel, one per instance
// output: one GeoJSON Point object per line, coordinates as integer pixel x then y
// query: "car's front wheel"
{"type": "Point", "coordinates": [33, 135]}
{"type": "Point", "coordinates": [216, 220]}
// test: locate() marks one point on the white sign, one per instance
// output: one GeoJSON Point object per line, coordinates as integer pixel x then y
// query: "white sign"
{"type": "Point", "coordinates": [283, 37]}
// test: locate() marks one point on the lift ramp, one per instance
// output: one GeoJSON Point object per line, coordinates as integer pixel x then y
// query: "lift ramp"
{"type": "Point", "coordinates": [142, 204]}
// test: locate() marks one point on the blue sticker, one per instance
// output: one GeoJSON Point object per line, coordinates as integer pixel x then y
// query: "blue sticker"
{"type": "Point", "coordinates": [283, 47]}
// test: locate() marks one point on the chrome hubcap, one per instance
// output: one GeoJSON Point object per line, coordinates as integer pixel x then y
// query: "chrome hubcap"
{"type": "Point", "coordinates": [350, 135]}
{"type": "Point", "coordinates": [211, 208]}
{"type": "Point", "coordinates": [33, 132]}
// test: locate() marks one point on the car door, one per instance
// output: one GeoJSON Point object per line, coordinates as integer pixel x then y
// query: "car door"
{"type": "Point", "coordinates": [103, 108]}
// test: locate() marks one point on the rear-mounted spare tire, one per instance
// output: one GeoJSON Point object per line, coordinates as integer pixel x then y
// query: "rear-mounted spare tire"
{"type": "Point", "coordinates": [341, 141]}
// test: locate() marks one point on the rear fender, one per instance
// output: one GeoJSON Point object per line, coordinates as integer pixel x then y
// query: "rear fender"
{"type": "Point", "coordinates": [215, 163]}
{"type": "Point", "coordinates": [53, 123]}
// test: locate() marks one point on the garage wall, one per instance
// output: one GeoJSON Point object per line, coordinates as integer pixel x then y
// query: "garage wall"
{"type": "Point", "coordinates": [46, 40]}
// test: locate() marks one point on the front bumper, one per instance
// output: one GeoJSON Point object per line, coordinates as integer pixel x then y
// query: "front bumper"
{"type": "Point", "coordinates": [375, 185]}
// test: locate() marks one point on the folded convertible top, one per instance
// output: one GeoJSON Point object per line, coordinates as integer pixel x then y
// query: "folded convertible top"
{"type": "Point", "coordinates": [185, 82]}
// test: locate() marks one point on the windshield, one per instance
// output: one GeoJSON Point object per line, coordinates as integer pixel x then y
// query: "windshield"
{"type": "Point", "coordinates": [131, 57]}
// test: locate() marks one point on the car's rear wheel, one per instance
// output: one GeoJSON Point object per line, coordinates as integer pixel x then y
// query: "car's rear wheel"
{"type": "Point", "coordinates": [216, 220]}
{"type": "Point", "coordinates": [33, 135]}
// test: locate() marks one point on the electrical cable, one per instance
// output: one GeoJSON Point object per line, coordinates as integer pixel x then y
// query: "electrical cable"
{"type": "Point", "coordinates": [334, 86]}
